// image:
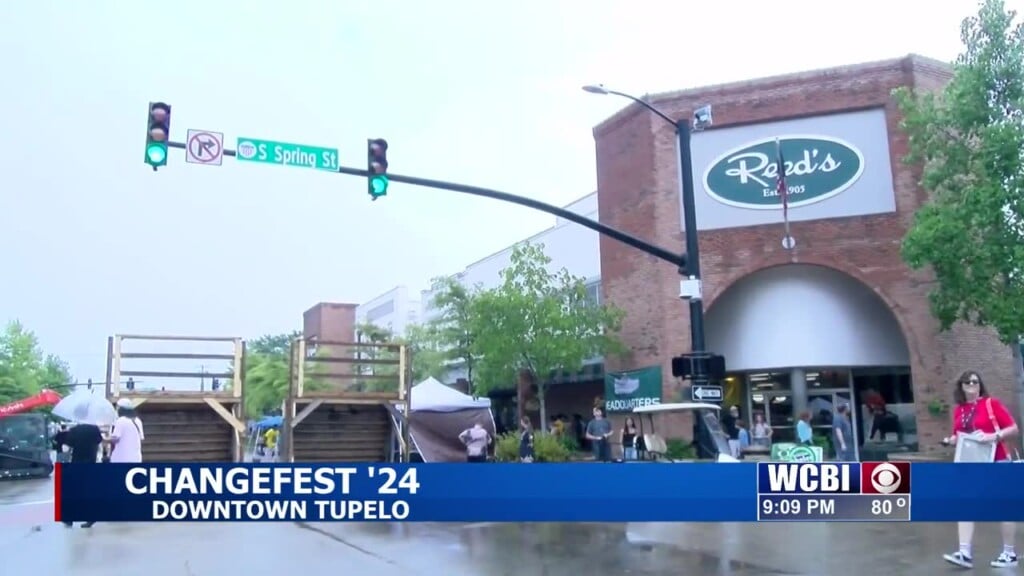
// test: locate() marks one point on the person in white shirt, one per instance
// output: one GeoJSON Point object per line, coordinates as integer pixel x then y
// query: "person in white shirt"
{"type": "Point", "coordinates": [126, 437]}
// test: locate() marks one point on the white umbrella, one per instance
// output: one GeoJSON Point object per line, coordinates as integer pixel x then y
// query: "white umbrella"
{"type": "Point", "coordinates": [83, 406]}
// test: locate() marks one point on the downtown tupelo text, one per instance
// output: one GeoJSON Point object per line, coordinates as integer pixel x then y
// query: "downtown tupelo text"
{"type": "Point", "coordinates": [280, 510]}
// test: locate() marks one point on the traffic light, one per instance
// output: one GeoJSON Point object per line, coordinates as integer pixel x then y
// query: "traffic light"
{"type": "Point", "coordinates": [131, 383]}
{"type": "Point", "coordinates": [704, 366]}
{"type": "Point", "coordinates": [158, 132]}
{"type": "Point", "coordinates": [377, 167]}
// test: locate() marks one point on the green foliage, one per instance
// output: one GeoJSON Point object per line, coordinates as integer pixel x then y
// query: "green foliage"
{"type": "Point", "coordinates": [537, 320]}
{"type": "Point", "coordinates": [452, 331]}
{"type": "Point", "coordinates": [678, 449]}
{"type": "Point", "coordinates": [571, 443]}
{"type": "Point", "coordinates": [823, 441]}
{"type": "Point", "coordinates": [546, 448]}
{"type": "Point", "coordinates": [273, 344]}
{"type": "Point", "coordinates": [969, 139]}
{"type": "Point", "coordinates": [382, 377]}
{"type": "Point", "coordinates": [266, 383]}
{"type": "Point", "coordinates": [938, 408]}
{"type": "Point", "coordinates": [506, 448]}
{"type": "Point", "coordinates": [25, 369]}
{"type": "Point", "coordinates": [428, 358]}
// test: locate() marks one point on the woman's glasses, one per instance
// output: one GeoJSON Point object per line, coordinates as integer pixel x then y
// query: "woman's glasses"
{"type": "Point", "coordinates": [971, 382]}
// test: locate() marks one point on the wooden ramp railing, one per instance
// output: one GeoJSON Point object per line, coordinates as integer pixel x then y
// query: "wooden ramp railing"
{"type": "Point", "coordinates": [183, 420]}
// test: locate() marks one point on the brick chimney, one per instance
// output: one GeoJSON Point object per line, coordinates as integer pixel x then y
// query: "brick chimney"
{"type": "Point", "coordinates": [331, 322]}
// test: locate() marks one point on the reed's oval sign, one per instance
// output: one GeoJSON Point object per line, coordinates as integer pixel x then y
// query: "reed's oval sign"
{"type": "Point", "coordinates": [817, 168]}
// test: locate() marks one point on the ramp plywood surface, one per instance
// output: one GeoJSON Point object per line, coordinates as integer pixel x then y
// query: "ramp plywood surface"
{"type": "Point", "coordinates": [343, 433]}
{"type": "Point", "coordinates": [184, 433]}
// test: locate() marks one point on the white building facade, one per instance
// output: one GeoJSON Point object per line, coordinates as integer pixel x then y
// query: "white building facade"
{"type": "Point", "coordinates": [394, 310]}
{"type": "Point", "coordinates": [568, 244]}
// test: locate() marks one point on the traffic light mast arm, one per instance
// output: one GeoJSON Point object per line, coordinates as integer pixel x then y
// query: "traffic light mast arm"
{"type": "Point", "coordinates": [678, 260]}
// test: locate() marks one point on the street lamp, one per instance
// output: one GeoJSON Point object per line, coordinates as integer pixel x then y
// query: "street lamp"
{"type": "Point", "coordinates": [690, 287]}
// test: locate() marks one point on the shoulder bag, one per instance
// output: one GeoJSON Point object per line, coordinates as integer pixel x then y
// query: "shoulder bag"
{"type": "Point", "coordinates": [1015, 455]}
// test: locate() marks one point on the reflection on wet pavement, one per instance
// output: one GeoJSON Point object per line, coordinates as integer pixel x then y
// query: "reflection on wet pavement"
{"type": "Point", "coordinates": [31, 542]}
{"type": "Point", "coordinates": [551, 549]}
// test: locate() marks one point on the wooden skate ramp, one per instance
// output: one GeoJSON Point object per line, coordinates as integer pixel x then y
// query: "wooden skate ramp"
{"type": "Point", "coordinates": [341, 401]}
{"type": "Point", "coordinates": [184, 419]}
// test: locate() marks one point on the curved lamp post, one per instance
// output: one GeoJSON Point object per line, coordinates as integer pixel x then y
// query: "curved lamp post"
{"type": "Point", "coordinates": [690, 287]}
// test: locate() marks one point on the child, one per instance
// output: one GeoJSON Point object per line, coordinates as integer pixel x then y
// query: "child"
{"type": "Point", "coordinates": [743, 435]}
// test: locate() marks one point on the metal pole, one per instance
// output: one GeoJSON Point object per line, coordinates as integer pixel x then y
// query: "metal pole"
{"type": "Point", "coordinates": [692, 268]}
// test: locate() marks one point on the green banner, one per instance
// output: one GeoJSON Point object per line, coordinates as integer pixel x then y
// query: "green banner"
{"type": "Point", "coordinates": [624, 391]}
{"type": "Point", "coordinates": [789, 452]}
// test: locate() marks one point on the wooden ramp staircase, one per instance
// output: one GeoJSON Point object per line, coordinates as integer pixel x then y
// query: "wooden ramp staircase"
{"type": "Point", "coordinates": [344, 433]}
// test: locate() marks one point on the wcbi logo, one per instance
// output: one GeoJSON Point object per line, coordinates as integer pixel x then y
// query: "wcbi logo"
{"type": "Point", "coordinates": [838, 478]}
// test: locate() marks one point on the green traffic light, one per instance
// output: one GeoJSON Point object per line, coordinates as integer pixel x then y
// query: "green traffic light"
{"type": "Point", "coordinates": [156, 154]}
{"type": "Point", "coordinates": [379, 185]}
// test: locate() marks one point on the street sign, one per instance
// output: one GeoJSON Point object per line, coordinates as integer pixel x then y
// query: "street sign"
{"type": "Point", "coordinates": [285, 154]}
{"type": "Point", "coordinates": [704, 393]}
{"type": "Point", "coordinates": [204, 147]}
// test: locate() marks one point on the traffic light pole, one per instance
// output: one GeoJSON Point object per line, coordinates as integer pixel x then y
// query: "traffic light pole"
{"type": "Point", "coordinates": [692, 270]}
{"type": "Point", "coordinates": [678, 260]}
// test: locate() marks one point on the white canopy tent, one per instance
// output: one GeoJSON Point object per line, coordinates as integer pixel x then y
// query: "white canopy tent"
{"type": "Point", "coordinates": [433, 396]}
{"type": "Point", "coordinates": [439, 414]}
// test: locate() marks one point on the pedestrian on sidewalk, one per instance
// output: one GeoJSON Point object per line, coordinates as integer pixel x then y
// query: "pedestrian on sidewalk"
{"type": "Point", "coordinates": [525, 440]}
{"type": "Point", "coordinates": [84, 440]}
{"type": "Point", "coordinates": [842, 435]}
{"type": "Point", "coordinates": [987, 420]}
{"type": "Point", "coordinates": [599, 430]}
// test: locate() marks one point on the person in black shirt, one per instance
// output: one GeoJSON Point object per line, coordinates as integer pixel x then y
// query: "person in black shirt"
{"type": "Point", "coordinates": [84, 440]}
{"type": "Point", "coordinates": [525, 440]}
{"type": "Point", "coordinates": [731, 430]}
{"type": "Point", "coordinates": [628, 437]}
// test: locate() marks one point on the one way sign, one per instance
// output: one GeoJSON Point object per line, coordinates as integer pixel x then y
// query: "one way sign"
{"type": "Point", "coordinates": [706, 393]}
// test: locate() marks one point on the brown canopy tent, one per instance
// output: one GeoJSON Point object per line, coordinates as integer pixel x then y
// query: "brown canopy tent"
{"type": "Point", "coordinates": [439, 414]}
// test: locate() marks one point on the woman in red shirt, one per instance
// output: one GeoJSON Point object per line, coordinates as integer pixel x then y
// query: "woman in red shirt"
{"type": "Point", "coordinates": [977, 412]}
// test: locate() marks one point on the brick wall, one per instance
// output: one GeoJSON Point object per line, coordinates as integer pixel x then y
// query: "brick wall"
{"type": "Point", "coordinates": [638, 192]}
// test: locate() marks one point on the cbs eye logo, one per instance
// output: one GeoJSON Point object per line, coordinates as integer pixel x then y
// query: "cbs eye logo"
{"type": "Point", "coordinates": [886, 478]}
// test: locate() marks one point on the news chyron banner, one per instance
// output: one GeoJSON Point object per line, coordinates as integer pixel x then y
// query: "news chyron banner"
{"type": "Point", "coordinates": [819, 492]}
{"type": "Point", "coordinates": [416, 493]}
{"type": "Point", "coordinates": [584, 492]}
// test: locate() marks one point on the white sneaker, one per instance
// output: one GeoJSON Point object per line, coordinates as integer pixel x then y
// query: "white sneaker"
{"type": "Point", "coordinates": [1005, 560]}
{"type": "Point", "coordinates": [960, 559]}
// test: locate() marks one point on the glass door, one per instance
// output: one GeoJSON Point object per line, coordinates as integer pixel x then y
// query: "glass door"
{"type": "Point", "coordinates": [777, 408]}
{"type": "Point", "coordinates": [822, 405]}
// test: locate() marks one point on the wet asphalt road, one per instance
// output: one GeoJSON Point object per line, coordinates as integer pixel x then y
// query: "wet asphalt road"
{"type": "Point", "coordinates": [31, 543]}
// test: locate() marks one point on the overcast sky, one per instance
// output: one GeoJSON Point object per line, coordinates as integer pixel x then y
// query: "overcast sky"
{"type": "Point", "coordinates": [96, 243]}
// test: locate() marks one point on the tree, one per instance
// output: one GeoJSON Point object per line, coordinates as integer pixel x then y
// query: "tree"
{"type": "Point", "coordinates": [276, 344]}
{"type": "Point", "coordinates": [266, 372]}
{"type": "Point", "coordinates": [452, 330]}
{"type": "Point", "coordinates": [538, 321]}
{"type": "Point", "coordinates": [266, 383]}
{"type": "Point", "coordinates": [24, 369]}
{"type": "Point", "coordinates": [379, 377]}
{"type": "Point", "coordinates": [969, 138]}
{"type": "Point", "coordinates": [428, 358]}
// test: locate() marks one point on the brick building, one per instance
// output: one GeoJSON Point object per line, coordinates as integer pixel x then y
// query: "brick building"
{"type": "Point", "coordinates": [827, 322]}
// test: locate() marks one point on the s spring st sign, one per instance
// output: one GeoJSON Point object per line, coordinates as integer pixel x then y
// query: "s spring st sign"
{"type": "Point", "coordinates": [817, 168]}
